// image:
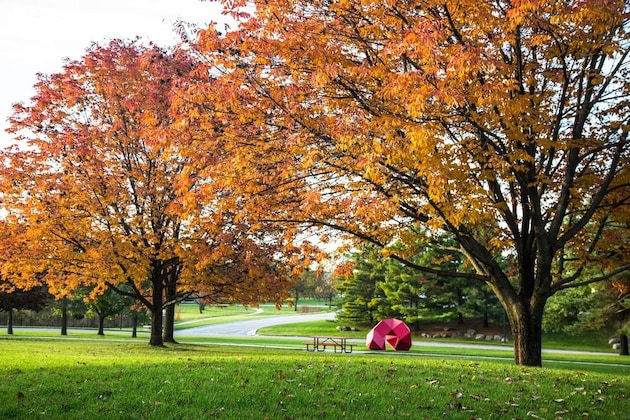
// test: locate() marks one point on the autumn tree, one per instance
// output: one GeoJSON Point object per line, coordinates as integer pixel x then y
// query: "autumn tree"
{"type": "Point", "coordinates": [103, 188]}
{"type": "Point", "coordinates": [314, 283]}
{"type": "Point", "coordinates": [325, 286]}
{"type": "Point", "coordinates": [504, 123]}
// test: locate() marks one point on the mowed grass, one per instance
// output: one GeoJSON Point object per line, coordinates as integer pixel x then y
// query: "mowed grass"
{"type": "Point", "coordinates": [187, 312]}
{"type": "Point", "coordinates": [190, 311]}
{"type": "Point", "coordinates": [99, 379]}
{"type": "Point", "coordinates": [188, 315]}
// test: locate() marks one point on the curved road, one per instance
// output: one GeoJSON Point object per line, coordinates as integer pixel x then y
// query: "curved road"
{"type": "Point", "coordinates": [250, 326]}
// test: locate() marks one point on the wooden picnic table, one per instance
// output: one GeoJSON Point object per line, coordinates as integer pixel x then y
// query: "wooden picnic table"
{"type": "Point", "coordinates": [320, 343]}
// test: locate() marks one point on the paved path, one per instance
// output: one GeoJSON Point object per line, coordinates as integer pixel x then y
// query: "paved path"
{"type": "Point", "coordinates": [240, 328]}
{"type": "Point", "coordinates": [249, 327]}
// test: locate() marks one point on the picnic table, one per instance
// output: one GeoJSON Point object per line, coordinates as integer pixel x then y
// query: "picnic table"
{"type": "Point", "coordinates": [320, 343]}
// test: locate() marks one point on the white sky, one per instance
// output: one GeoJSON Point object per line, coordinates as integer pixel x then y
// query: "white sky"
{"type": "Point", "coordinates": [36, 35]}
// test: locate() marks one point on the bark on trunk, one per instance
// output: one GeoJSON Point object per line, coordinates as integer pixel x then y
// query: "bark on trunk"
{"type": "Point", "coordinates": [169, 320]}
{"type": "Point", "coordinates": [10, 322]}
{"type": "Point", "coordinates": [156, 314]}
{"type": "Point", "coordinates": [526, 329]}
{"type": "Point", "coordinates": [169, 324]}
{"type": "Point", "coordinates": [64, 317]}
{"type": "Point", "coordinates": [623, 338]}
{"type": "Point", "coordinates": [101, 325]}
{"type": "Point", "coordinates": [156, 328]}
{"type": "Point", "coordinates": [134, 329]}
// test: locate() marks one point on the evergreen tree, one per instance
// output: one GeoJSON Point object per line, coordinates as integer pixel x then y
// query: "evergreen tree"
{"type": "Point", "coordinates": [380, 287]}
{"type": "Point", "coordinates": [359, 288]}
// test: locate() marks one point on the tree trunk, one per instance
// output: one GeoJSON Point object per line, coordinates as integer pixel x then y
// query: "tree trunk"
{"type": "Point", "coordinates": [526, 326]}
{"type": "Point", "coordinates": [101, 322]}
{"type": "Point", "coordinates": [169, 324]}
{"type": "Point", "coordinates": [10, 322]}
{"type": "Point", "coordinates": [64, 317]}
{"type": "Point", "coordinates": [169, 320]}
{"type": "Point", "coordinates": [134, 329]}
{"type": "Point", "coordinates": [623, 339]}
{"type": "Point", "coordinates": [156, 339]}
{"type": "Point", "coordinates": [156, 328]}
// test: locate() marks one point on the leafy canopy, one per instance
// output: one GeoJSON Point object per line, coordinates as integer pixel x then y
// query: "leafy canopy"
{"type": "Point", "coordinates": [108, 185]}
{"type": "Point", "coordinates": [504, 123]}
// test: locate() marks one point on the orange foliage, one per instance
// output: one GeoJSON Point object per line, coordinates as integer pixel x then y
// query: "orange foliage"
{"type": "Point", "coordinates": [502, 122]}
{"type": "Point", "coordinates": [109, 185]}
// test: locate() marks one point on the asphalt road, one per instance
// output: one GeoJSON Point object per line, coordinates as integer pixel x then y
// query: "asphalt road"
{"type": "Point", "coordinates": [248, 327]}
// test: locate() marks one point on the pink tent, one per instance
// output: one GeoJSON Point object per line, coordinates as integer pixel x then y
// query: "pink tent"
{"type": "Point", "coordinates": [391, 330]}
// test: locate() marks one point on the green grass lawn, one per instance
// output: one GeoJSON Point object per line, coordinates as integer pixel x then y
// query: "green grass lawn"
{"type": "Point", "coordinates": [190, 311]}
{"type": "Point", "coordinates": [188, 315]}
{"type": "Point", "coordinates": [76, 378]}
{"type": "Point", "coordinates": [272, 376]}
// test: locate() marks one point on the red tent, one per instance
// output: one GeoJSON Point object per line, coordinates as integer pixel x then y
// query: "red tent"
{"type": "Point", "coordinates": [391, 330]}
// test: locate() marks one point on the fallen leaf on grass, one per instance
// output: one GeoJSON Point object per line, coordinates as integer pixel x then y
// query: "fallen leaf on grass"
{"type": "Point", "coordinates": [105, 394]}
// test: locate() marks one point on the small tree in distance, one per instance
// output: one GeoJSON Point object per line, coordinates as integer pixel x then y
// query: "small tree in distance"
{"type": "Point", "coordinates": [105, 305]}
{"type": "Point", "coordinates": [13, 298]}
